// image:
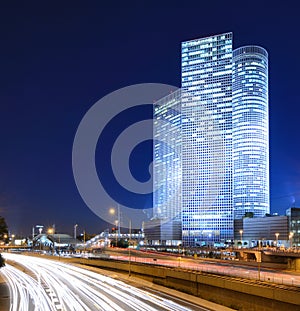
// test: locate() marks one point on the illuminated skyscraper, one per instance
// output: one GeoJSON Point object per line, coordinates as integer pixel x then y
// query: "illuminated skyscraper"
{"type": "Point", "coordinates": [207, 209]}
{"type": "Point", "coordinates": [165, 227]}
{"type": "Point", "coordinates": [250, 131]}
{"type": "Point", "coordinates": [167, 157]}
{"type": "Point", "coordinates": [215, 157]}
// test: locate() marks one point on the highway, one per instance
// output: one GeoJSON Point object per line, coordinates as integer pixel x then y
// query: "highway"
{"type": "Point", "coordinates": [41, 284]}
{"type": "Point", "coordinates": [230, 268]}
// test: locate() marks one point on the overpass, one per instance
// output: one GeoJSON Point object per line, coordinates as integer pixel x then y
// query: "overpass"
{"type": "Point", "coordinates": [288, 257]}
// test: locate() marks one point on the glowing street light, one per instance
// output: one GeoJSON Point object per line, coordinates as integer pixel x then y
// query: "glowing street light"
{"type": "Point", "coordinates": [112, 211]}
{"type": "Point", "coordinates": [277, 235]}
{"type": "Point", "coordinates": [291, 235]}
{"type": "Point", "coordinates": [241, 233]}
{"type": "Point", "coordinates": [51, 231]}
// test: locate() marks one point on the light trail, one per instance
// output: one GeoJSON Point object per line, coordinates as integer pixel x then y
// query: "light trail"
{"type": "Point", "coordinates": [51, 285]}
{"type": "Point", "coordinates": [226, 269]}
{"type": "Point", "coordinates": [26, 292]}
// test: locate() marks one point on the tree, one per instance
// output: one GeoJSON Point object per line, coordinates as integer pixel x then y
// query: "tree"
{"type": "Point", "coordinates": [120, 243]}
{"type": "Point", "coordinates": [2, 261]}
{"type": "Point", "coordinates": [249, 214]}
{"type": "Point", "coordinates": [3, 229]}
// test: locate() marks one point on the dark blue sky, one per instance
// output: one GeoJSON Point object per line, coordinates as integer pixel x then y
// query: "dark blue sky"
{"type": "Point", "coordinates": [58, 59]}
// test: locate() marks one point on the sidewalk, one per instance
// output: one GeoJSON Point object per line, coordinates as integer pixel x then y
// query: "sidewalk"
{"type": "Point", "coordinates": [4, 294]}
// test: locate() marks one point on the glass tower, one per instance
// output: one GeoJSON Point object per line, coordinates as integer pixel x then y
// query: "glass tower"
{"type": "Point", "coordinates": [250, 131]}
{"type": "Point", "coordinates": [206, 108]}
{"type": "Point", "coordinates": [211, 149]}
{"type": "Point", "coordinates": [167, 158]}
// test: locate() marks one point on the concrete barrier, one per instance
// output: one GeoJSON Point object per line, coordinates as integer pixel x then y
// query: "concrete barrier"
{"type": "Point", "coordinates": [234, 293]}
{"type": "Point", "coordinates": [239, 294]}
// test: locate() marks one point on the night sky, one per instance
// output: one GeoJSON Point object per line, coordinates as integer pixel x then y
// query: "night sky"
{"type": "Point", "coordinates": [59, 58]}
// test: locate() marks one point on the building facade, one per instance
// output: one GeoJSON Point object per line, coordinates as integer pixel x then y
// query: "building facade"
{"type": "Point", "coordinates": [293, 215]}
{"type": "Point", "coordinates": [207, 210]}
{"type": "Point", "coordinates": [214, 154]}
{"type": "Point", "coordinates": [250, 131]}
{"type": "Point", "coordinates": [165, 226]}
{"type": "Point", "coordinates": [162, 233]}
{"type": "Point", "coordinates": [262, 231]}
{"type": "Point", "coordinates": [167, 150]}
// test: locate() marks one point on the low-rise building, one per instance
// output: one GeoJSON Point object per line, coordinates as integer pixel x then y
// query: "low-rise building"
{"type": "Point", "coordinates": [293, 215]}
{"type": "Point", "coordinates": [159, 232]}
{"type": "Point", "coordinates": [269, 230]}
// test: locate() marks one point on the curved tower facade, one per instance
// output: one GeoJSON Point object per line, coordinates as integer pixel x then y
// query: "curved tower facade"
{"type": "Point", "coordinates": [250, 131]}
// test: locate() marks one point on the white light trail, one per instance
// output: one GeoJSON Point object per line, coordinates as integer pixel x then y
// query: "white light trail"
{"type": "Point", "coordinates": [249, 272]}
{"type": "Point", "coordinates": [52, 285]}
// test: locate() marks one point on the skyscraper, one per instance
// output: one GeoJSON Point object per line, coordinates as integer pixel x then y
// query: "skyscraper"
{"type": "Point", "coordinates": [165, 226]}
{"type": "Point", "coordinates": [250, 131]}
{"type": "Point", "coordinates": [167, 157]}
{"type": "Point", "coordinates": [221, 140]}
{"type": "Point", "coordinates": [207, 210]}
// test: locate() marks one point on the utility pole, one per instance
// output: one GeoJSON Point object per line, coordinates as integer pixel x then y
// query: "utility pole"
{"type": "Point", "coordinates": [84, 239]}
{"type": "Point", "coordinates": [58, 246]}
{"type": "Point", "coordinates": [129, 249]}
{"type": "Point", "coordinates": [119, 223]}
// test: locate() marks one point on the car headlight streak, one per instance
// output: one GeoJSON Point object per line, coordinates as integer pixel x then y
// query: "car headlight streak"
{"type": "Point", "coordinates": [52, 285]}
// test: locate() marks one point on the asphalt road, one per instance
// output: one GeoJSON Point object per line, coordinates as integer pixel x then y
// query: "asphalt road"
{"type": "Point", "coordinates": [228, 268]}
{"type": "Point", "coordinates": [41, 284]}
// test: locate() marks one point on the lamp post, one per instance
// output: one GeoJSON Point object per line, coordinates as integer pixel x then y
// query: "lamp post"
{"type": "Point", "coordinates": [112, 211]}
{"type": "Point", "coordinates": [75, 228]}
{"type": "Point", "coordinates": [58, 246]}
{"type": "Point", "coordinates": [241, 233]}
{"type": "Point", "coordinates": [129, 250]}
{"type": "Point", "coordinates": [51, 231]}
{"type": "Point", "coordinates": [84, 245]}
{"type": "Point", "coordinates": [277, 235]}
{"type": "Point", "coordinates": [119, 222]}
{"type": "Point", "coordinates": [291, 235]}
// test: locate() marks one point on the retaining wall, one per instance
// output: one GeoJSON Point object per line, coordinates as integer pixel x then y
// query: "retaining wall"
{"type": "Point", "coordinates": [234, 293]}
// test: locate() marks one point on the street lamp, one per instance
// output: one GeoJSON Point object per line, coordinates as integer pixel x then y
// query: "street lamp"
{"type": "Point", "coordinates": [84, 245]}
{"type": "Point", "coordinates": [129, 250]}
{"type": "Point", "coordinates": [241, 233]}
{"type": "Point", "coordinates": [75, 227]}
{"type": "Point", "coordinates": [277, 235]}
{"type": "Point", "coordinates": [51, 231]}
{"type": "Point", "coordinates": [291, 235]}
{"type": "Point", "coordinates": [112, 211]}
